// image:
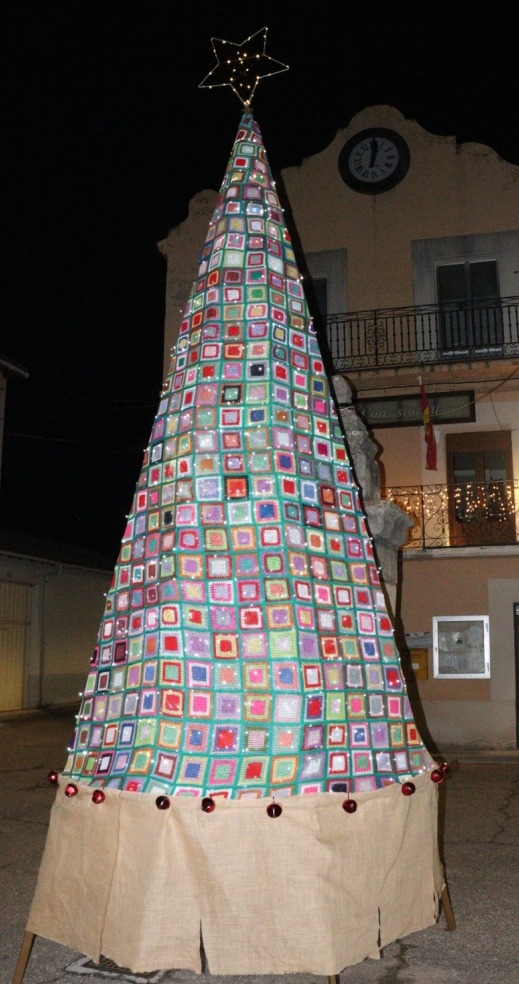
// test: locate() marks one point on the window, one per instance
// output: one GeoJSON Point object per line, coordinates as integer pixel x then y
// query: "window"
{"type": "Point", "coordinates": [481, 488]}
{"type": "Point", "coordinates": [328, 284]}
{"type": "Point", "coordinates": [470, 306]}
{"type": "Point", "coordinates": [320, 285]}
{"type": "Point", "coordinates": [461, 646]}
{"type": "Point", "coordinates": [326, 296]}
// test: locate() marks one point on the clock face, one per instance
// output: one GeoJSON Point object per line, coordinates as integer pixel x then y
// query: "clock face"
{"type": "Point", "coordinates": [374, 160]}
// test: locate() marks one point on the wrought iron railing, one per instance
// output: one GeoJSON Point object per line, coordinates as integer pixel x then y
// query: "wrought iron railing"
{"type": "Point", "coordinates": [465, 515]}
{"type": "Point", "coordinates": [429, 333]}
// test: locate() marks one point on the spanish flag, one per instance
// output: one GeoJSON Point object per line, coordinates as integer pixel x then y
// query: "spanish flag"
{"type": "Point", "coordinates": [430, 440]}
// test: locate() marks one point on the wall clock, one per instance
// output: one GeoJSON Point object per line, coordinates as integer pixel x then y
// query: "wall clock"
{"type": "Point", "coordinates": [374, 160]}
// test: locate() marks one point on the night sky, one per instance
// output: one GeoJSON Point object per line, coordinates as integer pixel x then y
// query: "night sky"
{"type": "Point", "coordinates": [107, 136]}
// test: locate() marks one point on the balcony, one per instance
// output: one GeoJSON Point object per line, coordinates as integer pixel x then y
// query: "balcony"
{"type": "Point", "coordinates": [427, 334]}
{"type": "Point", "coordinates": [475, 514]}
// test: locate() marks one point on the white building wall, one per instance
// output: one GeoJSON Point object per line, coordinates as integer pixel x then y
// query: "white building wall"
{"type": "Point", "coordinates": [65, 611]}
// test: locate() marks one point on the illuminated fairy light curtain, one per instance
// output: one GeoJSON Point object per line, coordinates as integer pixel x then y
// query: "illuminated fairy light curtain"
{"type": "Point", "coordinates": [444, 515]}
{"type": "Point", "coordinates": [245, 702]}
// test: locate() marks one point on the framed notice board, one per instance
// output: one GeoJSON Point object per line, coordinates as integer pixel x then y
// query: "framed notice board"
{"type": "Point", "coordinates": [461, 646]}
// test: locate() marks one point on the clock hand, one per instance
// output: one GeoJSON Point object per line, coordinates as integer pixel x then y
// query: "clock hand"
{"type": "Point", "coordinates": [374, 150]}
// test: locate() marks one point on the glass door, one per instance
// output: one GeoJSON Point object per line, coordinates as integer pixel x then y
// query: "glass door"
{"type": "Point", "coordinates": [481, 488]}
{"type": "Point", "coordinates": [470, 306]}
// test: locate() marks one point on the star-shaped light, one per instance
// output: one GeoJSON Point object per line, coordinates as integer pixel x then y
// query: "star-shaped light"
{"type": "Point", "coordinates": [241, 66]}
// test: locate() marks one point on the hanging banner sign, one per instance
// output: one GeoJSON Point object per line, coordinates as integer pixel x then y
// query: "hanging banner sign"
{"type": "Point", "coordinates": [406, 411]}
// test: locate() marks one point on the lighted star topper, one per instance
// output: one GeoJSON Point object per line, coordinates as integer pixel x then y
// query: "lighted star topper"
{"type": "Point", "coordinates": [241, 66]}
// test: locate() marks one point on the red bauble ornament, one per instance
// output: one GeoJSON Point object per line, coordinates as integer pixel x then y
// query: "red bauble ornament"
{"type": "Point", "coordinates": [71, 789]}
{"type": "Point", "coordinates": [408, 788]}
{"type": "Point", "coordinates": [98, 796]}
{"type": "Point", "coordinates": [445, 768]}
{"type": "Point", "coordinates": [208, 804]}
{"type": "Point", "coordinates": [274, 810]}
{"type": "Point", "coordinates": [162, 803]}
{"type": "Point", "coordinates": [53, 777]}
{"type": "Point", "coordinates": [349, 806]}
{"type": "Point", "coordinates": [437, 776]}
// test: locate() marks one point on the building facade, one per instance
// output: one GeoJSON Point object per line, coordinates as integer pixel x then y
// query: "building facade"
{"type": "Point", "coordinates": [410, 243]}
{"type": "Point", "coordinates": [51, 601]}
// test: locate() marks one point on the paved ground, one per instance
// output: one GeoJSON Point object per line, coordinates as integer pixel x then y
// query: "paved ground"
{"type": "Point", "coordinates": [480, 846]}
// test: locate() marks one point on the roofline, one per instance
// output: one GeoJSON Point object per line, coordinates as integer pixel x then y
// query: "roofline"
{"type": "Point", "coordinates": [47, 561]}
{"type": "Point", "coordinates": [13, 367]}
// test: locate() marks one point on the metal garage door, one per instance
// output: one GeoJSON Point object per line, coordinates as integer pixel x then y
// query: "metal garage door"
{"type": "Point", "coordinates": [14, 624]}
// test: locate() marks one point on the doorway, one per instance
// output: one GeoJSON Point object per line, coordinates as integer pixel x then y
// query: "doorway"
{"type": "Point", "coordinates": [15, 599]}
{"type": "Point", "coordinates": [470, 306]}
{"type": "Point", "coordinates": [481, 488]}
{"type": "Point", "coordinates": [516, 643]}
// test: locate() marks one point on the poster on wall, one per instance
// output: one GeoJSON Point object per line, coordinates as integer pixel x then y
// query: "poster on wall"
{"type": "Point", "coordinates": [461, 646]}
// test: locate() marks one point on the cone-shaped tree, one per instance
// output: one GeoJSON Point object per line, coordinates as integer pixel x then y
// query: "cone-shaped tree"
{"type": "Point", "coordinates": [245, 654]}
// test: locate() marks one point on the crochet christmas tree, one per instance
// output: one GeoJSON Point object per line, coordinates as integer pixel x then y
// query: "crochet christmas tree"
{"type": "Point", "coordinates": [245, 740]}
{"type": "Point", "coordinates": [245, 648]}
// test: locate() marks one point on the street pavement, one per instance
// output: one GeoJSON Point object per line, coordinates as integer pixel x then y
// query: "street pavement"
{"type": "Point", "coordinates": [479, 820]}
